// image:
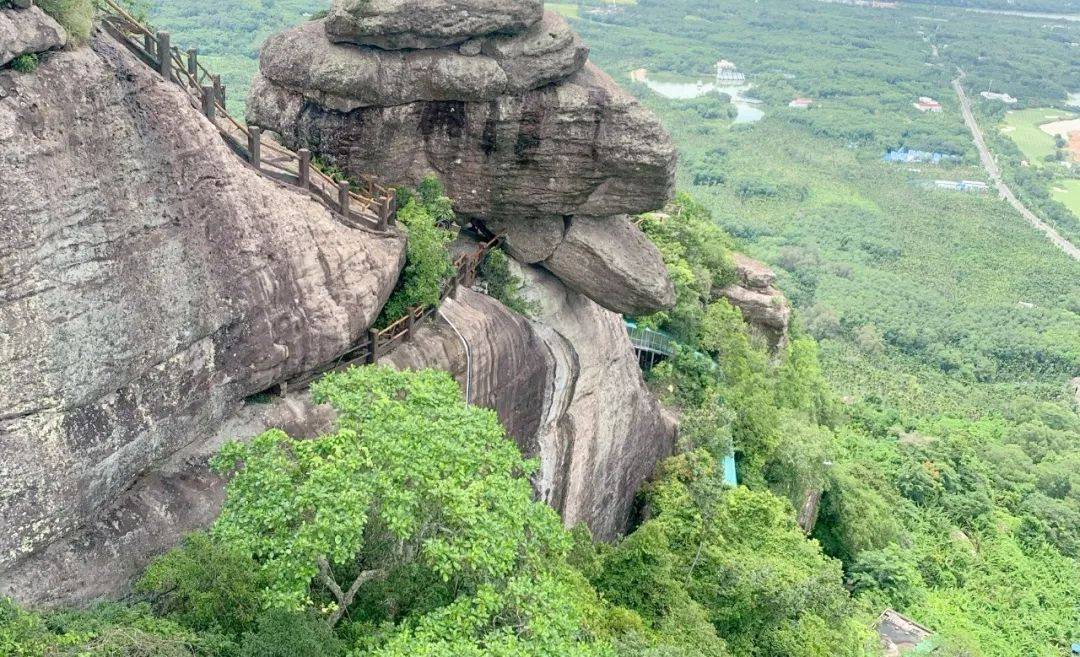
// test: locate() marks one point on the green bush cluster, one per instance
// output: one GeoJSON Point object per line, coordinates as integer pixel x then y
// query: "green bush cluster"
{"type": "Point", "coordinates": [503, 285]}
{"type": "Point", "coordinates": [76, 16]}
{"type": "Point", "coordinates": [425, 213]}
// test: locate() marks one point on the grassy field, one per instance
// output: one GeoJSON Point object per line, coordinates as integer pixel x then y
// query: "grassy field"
{"type": "Point", "coordinates": [1070, 196]}
{"type": "Point", "coordinates": [1022, 126]}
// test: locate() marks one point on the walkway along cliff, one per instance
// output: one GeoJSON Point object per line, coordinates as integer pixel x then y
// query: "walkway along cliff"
{"type": "Point", "coordinates": [163, 265]}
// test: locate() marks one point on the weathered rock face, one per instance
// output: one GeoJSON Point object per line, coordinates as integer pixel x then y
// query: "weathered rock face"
{"type": "Point", "coordinates": [583, 146]}
{"type": "Point", "coordinates": [395, 24]}
{"type": "Point", "coordinates": [149, 281]}
{"type": "Point", "coordinates": [28, 31]}
{"type": "Point", "coordinates": [344, 77]}
{"type": "Point", "coordinates": [522, 135]}
{"type": "Point", "coordinates": [566, 386]}
{"type": "Point", "coordinates": [604, 433]}
{"type": "Point", "coordinates": [608, 259]}
{"type": "Point", "coordinates": [764, 307]}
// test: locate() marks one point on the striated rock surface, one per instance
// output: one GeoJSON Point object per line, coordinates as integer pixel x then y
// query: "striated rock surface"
{"type": "Point", "coordinates": [344, 77]}
{"type": "Point", "coordinates": [149, 282]}
{"type": "Point", "coordinates": [28, 31]}
{"type": "Point", "coordinates": [583, 146]}
{"type": "Point", "coordinates": [566, 385]}
{"type": "Point", "coordinates": [610, 260]}
{"type": "Point", "coordinates": [395, 24]}
{"type": "Point", "coordinates": [604, 433]}
{"type": "Point", "coordinates": [763, 306]}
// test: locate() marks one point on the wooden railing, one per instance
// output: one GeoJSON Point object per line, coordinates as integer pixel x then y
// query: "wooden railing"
{"type": "Point", "coordinates": [377, 343]}
{"type": "Point", "coordinates": [373, 209]}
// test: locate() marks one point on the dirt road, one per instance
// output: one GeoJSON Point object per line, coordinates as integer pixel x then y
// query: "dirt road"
{"type": "Point", "coordinates": [995, 176]}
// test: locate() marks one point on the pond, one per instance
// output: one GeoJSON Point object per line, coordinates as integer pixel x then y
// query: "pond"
{"type": "Point", "coordinates": [684, 88]}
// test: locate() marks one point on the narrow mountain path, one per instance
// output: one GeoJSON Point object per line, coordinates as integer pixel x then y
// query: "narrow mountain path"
{"type": "Point", "coordinates": [995, 176]}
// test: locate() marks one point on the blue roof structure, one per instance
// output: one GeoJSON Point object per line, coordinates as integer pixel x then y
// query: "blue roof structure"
{"type": "Point", "coordinates": [731, 477]}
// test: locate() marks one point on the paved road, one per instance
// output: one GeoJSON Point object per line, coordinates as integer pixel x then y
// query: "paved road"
{"type": "Point", "coordinates": [995, 176]}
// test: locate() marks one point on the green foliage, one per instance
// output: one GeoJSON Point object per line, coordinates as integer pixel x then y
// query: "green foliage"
{"type": "Point", "coordinates": [25, 63]}
{"type": "Point", "coordinates": [205, 585]}
{"type": "Point", "coordinates": [281, 633]}
{"type": "Point", "coordinates": [503, 285]}
{"type": "Point", "coordinates": [428, 262]}
{"type": "Point", "coordinates": [75, 16]}
{"type": "Point", "coordinates": [736, 557]}
{"type": "Point", "coordinates": [104, 631]}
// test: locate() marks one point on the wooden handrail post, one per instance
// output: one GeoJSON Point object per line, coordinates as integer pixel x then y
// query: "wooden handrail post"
{"type": "Point", "coordinates": [149, 45]}
{"type": "Point", "coordinates": [255, 145]}
{"type": "Point", "coordinates": [373, 353]}
{"type": "Point", "coordinates": [392, 212]}
{"type": "Point", "coordinates": [219, 91]}
{"type": "Point", "coordinates": [193, 65]}
{"type": "Point", "coordinates": [454, 287]}
{"type": "Point", "coordinates": [380, 210]}
{"type": "Point", "coordinates": [164, 53]}
{"type": "Point", "coordinates": [410, 325]}
{"type": "Point", "coordinates": [343, 196]}
{"type": "Point", "coordinates": [305, 167]}
{"type": "Point", "coordinates": [209, 107]}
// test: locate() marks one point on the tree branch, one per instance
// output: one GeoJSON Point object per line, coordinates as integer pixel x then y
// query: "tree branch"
{"type": "Point", "coordinates": [344, 599]}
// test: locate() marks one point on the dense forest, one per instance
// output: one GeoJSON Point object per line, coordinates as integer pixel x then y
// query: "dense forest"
{"type": "Point", "coordinates": [923, 394]}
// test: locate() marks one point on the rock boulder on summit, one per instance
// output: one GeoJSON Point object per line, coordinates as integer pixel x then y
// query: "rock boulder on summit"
{"type": "Point", "coordinates": [345, 77]}
{"type": "Point", "coordinates": [400, 24]}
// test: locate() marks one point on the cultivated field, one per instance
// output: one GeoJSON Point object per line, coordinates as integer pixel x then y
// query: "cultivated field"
{"type": "Point", "coordinates": [1022, 126]}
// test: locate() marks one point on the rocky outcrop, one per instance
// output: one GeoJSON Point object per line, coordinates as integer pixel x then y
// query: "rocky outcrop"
{"type": "Point", "coordinates": [583, 146]}
{"type": "Point", "coordinates": [395, 24]}
{"type": "Point", "coordinates": [764, 307]}
{"type": "Point", "coordinates": [566, 385]}
{"type": "Point", "coordinates": [610, 260]}
{"type": "Point", "coordinates": [523, 133]}
{"type": "Point", "coordinates": [149, 282]}
{"type": "Point", "coordinates": [344, 78]}
{"type": "Point", "coordinates": [28, 31]}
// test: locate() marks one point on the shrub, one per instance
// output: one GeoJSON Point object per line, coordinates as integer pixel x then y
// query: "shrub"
{"type": "Point", "coordinates": [25, 63]}
{"type": "Point", "coordinates": [205, 585]}
{"type": "Point", "coordinates": [427, 258]}
{"type": "Point", "coordinates": [76, 16]}
{"type": "Point", "coordinates": [281, 633]}
{"type": "Point", "coordinates": [503, 285]}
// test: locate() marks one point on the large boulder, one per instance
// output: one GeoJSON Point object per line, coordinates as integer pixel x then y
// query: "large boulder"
{"type": "Point", "coordinates": [764, 307]}
{"type": "Point", "coordinates": [582, 146]}
{"type": "Point", "coordinates": [612, 262]}
{"type": "Point", "coordinates": [149, 281]}
{"type": "Point", "coordinates": [344, 77]}
{"type": "Point", "coordinates": [397, 24]}
{"type": "Point", "coordinates": [28, 31]}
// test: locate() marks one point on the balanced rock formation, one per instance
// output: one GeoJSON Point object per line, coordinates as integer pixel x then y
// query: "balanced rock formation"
{"type": "Point", "coordinates": [764, 307]}
{"type": "Point", "coordinates": [394, 24]}
{"type": "Point", "coordinates": [28, 31]}
{"type": "Point", "coordinates": [525, 135]}
{"type": "Point", "coordinates": [149, 282]}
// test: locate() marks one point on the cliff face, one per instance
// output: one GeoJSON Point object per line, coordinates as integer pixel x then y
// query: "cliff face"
{"type": "Point", "coordinates": [149, 282]}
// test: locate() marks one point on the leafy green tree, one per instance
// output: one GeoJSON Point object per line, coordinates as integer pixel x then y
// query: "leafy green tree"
{"type": "Point", "coordinates": [412, 475]}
